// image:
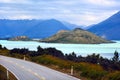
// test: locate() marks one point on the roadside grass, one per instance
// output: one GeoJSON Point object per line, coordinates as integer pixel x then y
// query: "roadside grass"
{"type": "Point", "coordinates": [82, 70]}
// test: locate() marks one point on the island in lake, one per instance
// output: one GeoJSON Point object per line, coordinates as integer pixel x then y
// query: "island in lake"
{"type": "Point", "coordinates": [77, 35]}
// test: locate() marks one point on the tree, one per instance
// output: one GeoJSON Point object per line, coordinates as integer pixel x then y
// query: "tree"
{"type": "Point", "coordinates": [40, 50]}
{"type": "Point", "coordinates": [54, 52]}
{"type": "Point", "coordinates": [23, 51]}
{"type": "Point", "coordinates": [71, 57]}
{"type": "Point", "coordinates": [0, 46]}
{"type": "Point", "coordinates": [5, 48]}
{"type": "Point", "coordinates": [94, 58]}
{"type": "Point", "coordinates": [116, 56]}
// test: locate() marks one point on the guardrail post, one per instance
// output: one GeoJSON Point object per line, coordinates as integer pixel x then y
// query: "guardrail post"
{"type": "Point", "coordinates": [7, 74]}
{"type": "Point", "coordinates": [24, 57]}
{"type": "Point", "coordinates": [71, 70]}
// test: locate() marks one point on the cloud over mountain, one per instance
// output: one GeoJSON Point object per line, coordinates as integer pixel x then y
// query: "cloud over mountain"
{"type": "Point", "coordinates": [82, 12]}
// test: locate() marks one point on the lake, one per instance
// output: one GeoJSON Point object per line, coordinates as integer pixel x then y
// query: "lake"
{"type": "Point", "coordinates": [105, 50]}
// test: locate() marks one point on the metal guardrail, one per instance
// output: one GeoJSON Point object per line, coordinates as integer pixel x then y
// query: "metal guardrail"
{"type": "Point", "coordinates": [8, 75]}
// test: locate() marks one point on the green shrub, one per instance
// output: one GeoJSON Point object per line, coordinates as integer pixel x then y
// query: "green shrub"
{"type": "Point", "coordinates": [113, 76]}
{"type": "Point", "coordinates": [92, 71]}
{"type": "Point", "coordinates": [93, 74]}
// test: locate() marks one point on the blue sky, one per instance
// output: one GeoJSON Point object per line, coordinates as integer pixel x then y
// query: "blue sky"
{"type": "Point", "coordinates": [81, 12]}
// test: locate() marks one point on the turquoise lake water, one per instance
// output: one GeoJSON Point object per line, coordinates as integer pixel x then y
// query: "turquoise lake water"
{"type": "Point", "coordinates": [105, 50]}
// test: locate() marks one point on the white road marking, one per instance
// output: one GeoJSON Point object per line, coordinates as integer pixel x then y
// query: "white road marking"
{"type": "Point", "coordinates": [11, 61]}
{"type": "Point", "coordinates": [43, 78]}
{"type": "Point", "coordinates": [29, 70]}
{"type": "Point", "coordinates": [22, 66]}
{"type": "Point", "coordinates": [16, 63]}
{"type": "Point", "coordinates": [36, 74]}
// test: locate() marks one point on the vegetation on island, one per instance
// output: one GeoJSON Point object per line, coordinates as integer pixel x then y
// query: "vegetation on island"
{"type": "Point", "coordinates": [20, 38]}
{"type": "Point", "coordinates": [91, 67]}
{"type": "Point", "coordinates": [77, 35]}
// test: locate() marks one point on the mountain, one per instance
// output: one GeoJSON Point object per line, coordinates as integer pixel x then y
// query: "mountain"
{"type": "Point", "coordinates": [45, 29]}
{"type": "Point", "coordinates": [73, 26]}
{"type": "Point", "coordinates": [109, 29]}
{"type": "Point", "coordinates": [76, 36]}
{"type": "Point", "coordinates": [31, 28]}
{"type": "Point", "coordinates": [11, 28]}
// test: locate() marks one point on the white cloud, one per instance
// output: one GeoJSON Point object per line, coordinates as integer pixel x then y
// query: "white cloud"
{"type": "Point", "coordinates": [6, 1]}
{"type": "Point", "coordinates": [102, 2]}
{"type": "Point", "coordinates": [83, 12]}
{"type": "Point", "coordinates": [86, 18]}
{"type": "Point", "coordinates": [14, 1]}
{"type": "Point", "coordinates": [91, 18]}
{"type": "Point", "coordinates": [21, 17]}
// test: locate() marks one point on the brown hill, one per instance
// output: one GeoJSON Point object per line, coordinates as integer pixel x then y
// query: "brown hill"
{"type": "Point", "coordinates": [76, 36]}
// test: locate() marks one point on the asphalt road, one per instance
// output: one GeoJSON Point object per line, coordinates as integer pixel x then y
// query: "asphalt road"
{"type": "Point", "coordinates": [25, 70]}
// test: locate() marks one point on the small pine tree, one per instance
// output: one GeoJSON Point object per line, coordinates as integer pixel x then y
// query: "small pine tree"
{"type": "Point", "coordinates": [40, 51]}
{"type": "Point", "coordinates": [116, 57]}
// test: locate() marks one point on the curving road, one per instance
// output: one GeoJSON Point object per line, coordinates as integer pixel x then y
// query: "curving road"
{"type": "Point", "coordinates": [25, 70]}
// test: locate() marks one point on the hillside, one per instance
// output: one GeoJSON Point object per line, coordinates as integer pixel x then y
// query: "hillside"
{"type": "Point", "coordinates": [45, 29]}
{"type": "Point", "coordinates": [76, 36]}
{"type": "Point", "coordinates": [109, 28]}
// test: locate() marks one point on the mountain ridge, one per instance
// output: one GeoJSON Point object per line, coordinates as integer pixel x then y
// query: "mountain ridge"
{"type": "Point", "coordinates": [47, 27]}
{"type": "Point", "coordinates": [13, 28]}
{"type": "Point", "coordinates": [108, 28]}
